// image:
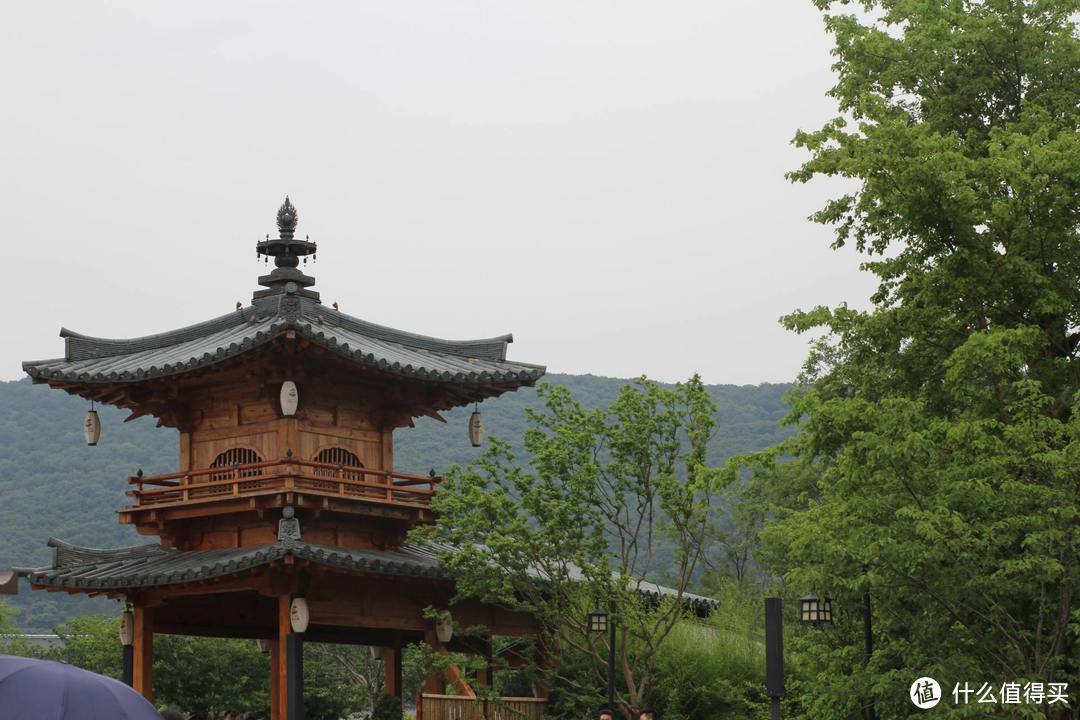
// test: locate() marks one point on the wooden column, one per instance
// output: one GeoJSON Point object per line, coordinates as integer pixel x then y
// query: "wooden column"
{"type": "Point", "coordinates": [486, 675]}
{"type": "Point", "coordinates": [142, 676]}
{"type": "Point", "coordinates": [280, 683]}
{"type": "Point", "coordinates": [433, 683]}
{"type": "Point", "coordinates": [392, 668]}
{"type": "Point", "coordinates": [436, 683]}
{"type": "Point", "coordinates": [543, 667]}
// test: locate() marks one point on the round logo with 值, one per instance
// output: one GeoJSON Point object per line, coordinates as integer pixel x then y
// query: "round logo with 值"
{"type": "Point", "coordinates": [925, 693]}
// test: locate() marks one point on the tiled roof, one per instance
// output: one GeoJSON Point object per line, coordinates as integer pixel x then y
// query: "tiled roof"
{"type": "Point", "coordinates": [100, 360]}
{"type": "Point", "coordinates": [152, 565]}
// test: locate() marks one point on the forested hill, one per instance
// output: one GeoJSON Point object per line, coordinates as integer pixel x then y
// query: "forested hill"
{"type": "Point", "coordinates": [52, 484]}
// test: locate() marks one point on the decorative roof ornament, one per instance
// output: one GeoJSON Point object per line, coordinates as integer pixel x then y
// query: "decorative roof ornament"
{"type": "Point", "coordinates": [286, 219]}
{"type": "Point", "coordinates": [286, 250]}
{"type": "Point", "coordinates": [288, 525]}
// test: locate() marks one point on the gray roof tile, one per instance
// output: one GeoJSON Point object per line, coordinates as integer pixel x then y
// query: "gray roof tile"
{"type": "Point", "coordinates": [99, 360]}
{"type": "Point", "coordinates": [153, 565]}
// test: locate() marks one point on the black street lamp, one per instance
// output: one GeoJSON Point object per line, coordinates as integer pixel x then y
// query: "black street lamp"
{"type": "Point", "coordinates": [599, 621]}
{"type": "Point", "coordinates": [817, 613]}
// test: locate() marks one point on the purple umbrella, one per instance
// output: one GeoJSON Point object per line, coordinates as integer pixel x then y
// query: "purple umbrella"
{"type": "Point", "coordinates": [46, 690]}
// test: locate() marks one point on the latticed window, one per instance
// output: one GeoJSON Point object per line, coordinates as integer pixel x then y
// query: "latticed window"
{"type": "Point", "coordinates": [232, 457]}
{"type": "Point", "coordinates": [341, 458]}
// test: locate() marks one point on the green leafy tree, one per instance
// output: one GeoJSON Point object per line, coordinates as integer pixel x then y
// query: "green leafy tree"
{"type": "Point", "coordinates": [387, 707]}
{"type": "Point", "coordinates": [583, 528]}
{"type": "Point", "coordinates": [939, 450]}
{"type": "Point", "coordinates": [10, 642]}
{"type": "Point", "coordinates": [210, 675]}
{"type": "Point", "coordinates": [92, 643]}
{"type": "Point", "coordinates": [331, 690]}
{"type": "Point", "coordinates": [352, 663]}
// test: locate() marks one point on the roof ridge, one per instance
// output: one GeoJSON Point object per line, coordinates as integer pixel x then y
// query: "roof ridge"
{"type": "Point", "coordinates": [493, 348]}
{"type": "Point", "coordinates": [86, 347]}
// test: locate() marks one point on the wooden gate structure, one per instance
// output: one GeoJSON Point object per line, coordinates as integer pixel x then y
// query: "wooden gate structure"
{"type": "Point", "coordinates": [286, 509]}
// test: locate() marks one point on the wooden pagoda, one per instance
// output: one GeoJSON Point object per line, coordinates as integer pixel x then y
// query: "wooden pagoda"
{"type": "Point", "coordinates": [286, 508]}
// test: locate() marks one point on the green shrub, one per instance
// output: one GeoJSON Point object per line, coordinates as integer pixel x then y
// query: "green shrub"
{"type": "Point", "coordinates": [715, 669]}
{"type": "Point", "coordinates": [387, 707]}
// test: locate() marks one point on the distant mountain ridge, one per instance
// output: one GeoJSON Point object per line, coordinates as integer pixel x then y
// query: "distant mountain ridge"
{"type": "Point", "coordinates": [52, 484]}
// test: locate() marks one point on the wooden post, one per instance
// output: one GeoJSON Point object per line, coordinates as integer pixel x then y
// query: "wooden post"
{"type": "Point", "coordinates": [281, 685]}
{"type": "Point", "coordinates": [392, 669]}
{"type": "Point", "coordinates": [543, 667]}
{"type": "Point", "coordinates": [436, 684]}
{"type": "Point", "coordinates": [142, 676]}
{"type": "Point", "coordinates": [486, 675]}
{"type": "Point", "coordinates": [275, 659]}
{"type": "Point", "coordinates": [433, 683]}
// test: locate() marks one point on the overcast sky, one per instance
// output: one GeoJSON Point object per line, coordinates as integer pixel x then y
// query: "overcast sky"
{"type": "Point", "coordinates": [604, 180]}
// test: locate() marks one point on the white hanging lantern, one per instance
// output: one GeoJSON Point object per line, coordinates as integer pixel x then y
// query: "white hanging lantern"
{"type": "Point", "coordinates": [376, 652]}
{"type": "Point", "coordinates": [444, 628]}
{"type": "Point", "coordinates": [92, 427]}
{"type": "Point", "coordinates": [290, 398]}
{"type": "Point", "coordinates": [476, 429]}
{"type": "Point", "coordinates": [299, 615]}
{"type": "Point", "coordinates": [265, 646]}
{"type": "Point", "coordinates": [127, 628]}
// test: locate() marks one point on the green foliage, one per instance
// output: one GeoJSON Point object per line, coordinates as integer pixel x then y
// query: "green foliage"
{"type": "Point", "coordinates": [936, 465]}
{"type": "Point", "coordinates": [92, 643]}
{"type": "Point", "coordinates": [211, 674]}
{"type": "Point", "coordinates": [330, 690]}
{"type": "Point", "coordinates": [53, 484]}
{"type": "Point", "coordinates": [352, 665]}
{"type": "Point", "coordinates": [583, 527]}
{"type": "Point", "coordinates": [712, 671]}
{"type": "Point", "coordinates": [387, 707]}
{"type": "Point", "coordinates": [10, 644]}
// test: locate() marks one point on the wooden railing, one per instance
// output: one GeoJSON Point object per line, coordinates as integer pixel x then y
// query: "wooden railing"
{"type": "Point", "coordinates": [341, 481]}
{"type": "Point", "coordinates": [456, 707]}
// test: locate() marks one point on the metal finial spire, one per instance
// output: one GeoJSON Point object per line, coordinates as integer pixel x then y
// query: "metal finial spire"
{"type": "Point", "coordinates": [286, 251]}
{"type": "Point", "coordinates": [286, 219]}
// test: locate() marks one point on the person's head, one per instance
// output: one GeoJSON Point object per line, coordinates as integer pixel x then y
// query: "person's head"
{"type": "Point", "coordinates": [647, 715]}
{"type": "Point", "coordinates": [230, 715]}
{"type": "Point", "coordinates": [171, 714]}
{"type": "Point", "coordinates": [607, 714]}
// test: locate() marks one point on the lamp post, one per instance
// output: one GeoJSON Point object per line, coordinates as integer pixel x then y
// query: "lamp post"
{"type": "Point", "coordinates": [774, 654]}
{"type": "Point", "coordinates": [818, 613]}
{"type": "Point", "coordinates": [599, 621]}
